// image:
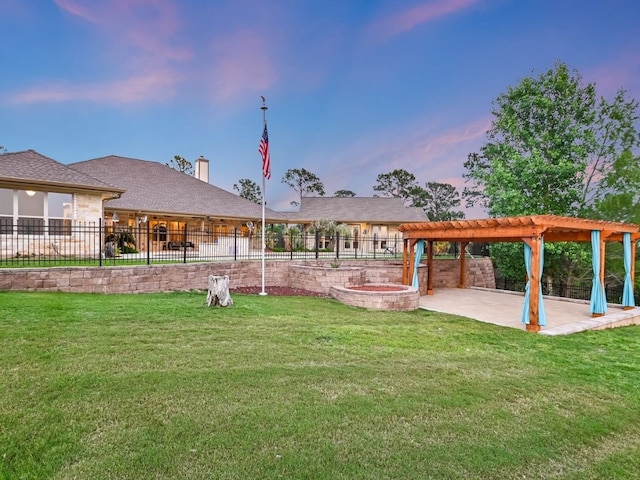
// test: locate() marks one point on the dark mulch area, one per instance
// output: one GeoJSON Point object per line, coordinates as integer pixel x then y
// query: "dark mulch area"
{"type": "Point", "coordinates": [276, 291]}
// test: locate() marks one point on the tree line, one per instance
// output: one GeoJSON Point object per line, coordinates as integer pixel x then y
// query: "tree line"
{"type": "Point", "coordinates": [554, 147]}
{"type": "Point", "coordinates": [438, 200]}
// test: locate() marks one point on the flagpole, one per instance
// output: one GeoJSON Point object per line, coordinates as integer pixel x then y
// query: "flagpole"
{"type": "Point", "coordinates": [264, 195]}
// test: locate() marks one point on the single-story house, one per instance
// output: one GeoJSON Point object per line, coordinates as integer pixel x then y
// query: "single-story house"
{"type": "Point", "coordinates": [171, 201]}
{"type": "Point", "coordinates": [161, 206]}
{"type": "Point", "coordinates": [376, 218]}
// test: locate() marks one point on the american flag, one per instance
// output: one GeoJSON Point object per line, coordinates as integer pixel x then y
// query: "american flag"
{"type": "Point", "coordinates": [264, 151]}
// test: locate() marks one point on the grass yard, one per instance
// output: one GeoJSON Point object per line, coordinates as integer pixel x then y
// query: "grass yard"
{"type": "Point", "coordinates": [159, 386]}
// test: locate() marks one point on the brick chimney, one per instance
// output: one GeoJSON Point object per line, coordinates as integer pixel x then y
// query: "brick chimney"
{"type": "Point", "coordinates": [202, 169]}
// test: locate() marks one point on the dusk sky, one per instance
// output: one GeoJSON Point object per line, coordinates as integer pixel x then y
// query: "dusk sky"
{"type": "Point", "coordinates": [355, 88]}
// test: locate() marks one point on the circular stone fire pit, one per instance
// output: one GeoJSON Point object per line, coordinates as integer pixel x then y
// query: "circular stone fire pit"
{"type": "Point", "coordinates": [378, 296]}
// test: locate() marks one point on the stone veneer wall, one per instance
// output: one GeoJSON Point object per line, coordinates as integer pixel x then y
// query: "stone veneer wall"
{"type": "Point", "coordinates": [479, 273]}
{"type": "Point", "coordinates": [193, 276]}
{"type": "Point", "coordinates": [88, 208]}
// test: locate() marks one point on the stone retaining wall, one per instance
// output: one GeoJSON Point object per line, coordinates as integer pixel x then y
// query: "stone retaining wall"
{"type": "Point", "coordinates": [193, 276]}
{"type": "Point", "coordinates": [320, 279]}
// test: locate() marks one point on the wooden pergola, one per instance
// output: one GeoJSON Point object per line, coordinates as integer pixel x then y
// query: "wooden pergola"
{"type": "Point", "coordinates": [530, 230]}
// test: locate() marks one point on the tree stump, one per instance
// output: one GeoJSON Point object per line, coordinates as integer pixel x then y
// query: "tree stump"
{"type": "Point", "coordinates": [218, 293]}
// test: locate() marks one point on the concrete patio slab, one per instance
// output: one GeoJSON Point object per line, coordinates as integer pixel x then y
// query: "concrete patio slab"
{"type": "Point", "coordinates": [564, 316]}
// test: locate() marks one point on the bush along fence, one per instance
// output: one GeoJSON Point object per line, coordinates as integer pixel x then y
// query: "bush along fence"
{"type": "Point", "coordinates": [577, 292]}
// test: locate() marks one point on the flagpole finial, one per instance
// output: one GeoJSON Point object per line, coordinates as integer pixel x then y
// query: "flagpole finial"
{"type": "Point", "coordinates": [264, 103]}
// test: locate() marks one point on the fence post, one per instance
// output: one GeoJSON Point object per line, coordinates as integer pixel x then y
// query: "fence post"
{"type": "Point", "coordinates": [100, 241]}
{"type": "Point", "coordinates": [291, 245]}
{"type": "Point", "coordinates": [338, 245]}
{"type": "Point", "coordinates": [184, 244]}
{"type": "Point", "coordinates": [317, 244]}
{"type": "Point", "coordinates": [375, 242]}
{"type": "Point", "coordinates": [148, 244]}
{"type": "Point", "coordinates": [235, 244]}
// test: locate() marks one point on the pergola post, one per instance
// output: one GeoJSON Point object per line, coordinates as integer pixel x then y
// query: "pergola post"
{"type": "Point", "coordinates": [633, 260]}
{"type": "Point", "coordinates": [603, 251]}
{"type": "Point", "coordinates": [430, 269]}
{"type": "Point", "coordinates": [412, 260]}
{"type": "Point", "coordinates": [463, 268]}
{"type": "Point", "coordinates": [534, 285]}
{"type": "Point", "coordinates": [405, 261]}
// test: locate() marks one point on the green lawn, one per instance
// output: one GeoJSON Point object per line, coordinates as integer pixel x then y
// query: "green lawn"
{"type": "Point", "coordinates": [159, 386]}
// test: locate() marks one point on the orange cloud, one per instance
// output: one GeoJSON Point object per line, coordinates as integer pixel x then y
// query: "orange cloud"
{"type": "Point", "coordinates": [409, 18]}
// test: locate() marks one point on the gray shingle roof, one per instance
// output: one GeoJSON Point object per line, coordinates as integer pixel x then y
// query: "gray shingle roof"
{"type": "Point", "coordinates": [30, 167]}
{"type": "Point", "coordinates": [155, 187]}
{"type": "Point", "coordinates": [357, 209]}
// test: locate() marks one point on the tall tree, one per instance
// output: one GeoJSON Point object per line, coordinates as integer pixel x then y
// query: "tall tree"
{"type": "Point", "coordinates": [622, 201]}
{"type": "Point", "coordinates": [248, 189]}
{"type": "Point", "coordinates": [181, 164]}
{"type": "Point", "coordinates": [438, 200]}
{"type": "Point", "coordinates": [302, 181]}
{"type": "Point", "coordinates": [554, 148]}
{"type": "Point", "coordinates": [344, 193]}
{"type": "Point", "coordinates": [399, 183]}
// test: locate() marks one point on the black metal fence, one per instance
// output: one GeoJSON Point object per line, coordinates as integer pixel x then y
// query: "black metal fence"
{"type": "Point", "coordinates": [108, 245]}
{"type": "Point", "coordinates": [578, 292]}
{"type": "Point", "coordinates": [99, 244]}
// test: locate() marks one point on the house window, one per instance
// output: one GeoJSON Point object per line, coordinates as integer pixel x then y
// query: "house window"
{"type": "Point", "coordinates": [159, 233]}
{"type": "Point", "coordinates": [6, 211]}
{"type": "Point", "coordinates": [30, 226]}
{"type": "Point", "coordinates": [6, 225]}
{"type": "Point", "coordinates": [59, 226]}
{"type": "Point", "coordinates": [6, 202]}
{"type": "Point", "coordinates": [30, 204]}
{"type": "Point", "coordinates": [60, 207]}
{"type": "Point", "coordinates": [31, 212]}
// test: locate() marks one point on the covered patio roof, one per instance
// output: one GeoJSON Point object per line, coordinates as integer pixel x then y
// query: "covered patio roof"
{"type": "Point", "coordinates": [528, 229]}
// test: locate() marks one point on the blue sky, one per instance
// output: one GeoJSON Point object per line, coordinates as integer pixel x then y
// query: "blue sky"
{"type": "Point", "coordinates": [355, 88]}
